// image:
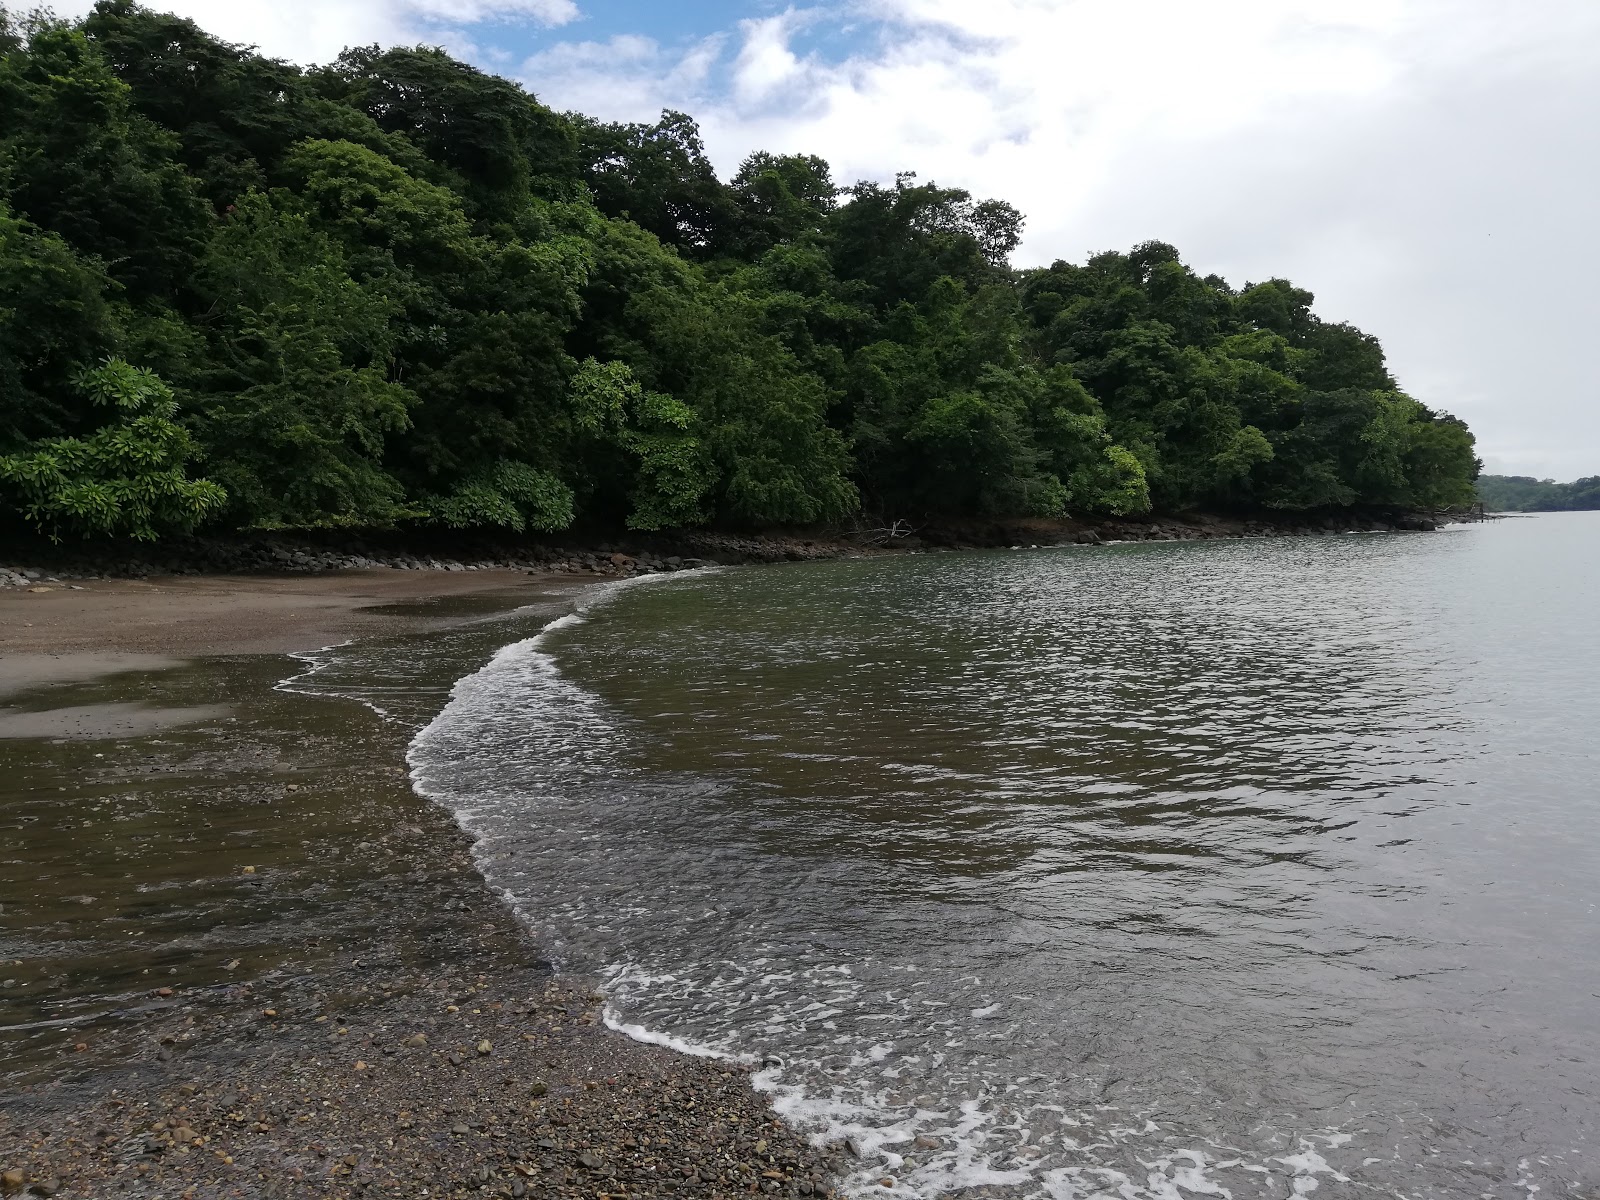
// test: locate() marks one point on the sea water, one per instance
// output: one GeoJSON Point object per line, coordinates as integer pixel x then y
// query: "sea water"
{"type": "Point", "coordinates": [1249, 868]}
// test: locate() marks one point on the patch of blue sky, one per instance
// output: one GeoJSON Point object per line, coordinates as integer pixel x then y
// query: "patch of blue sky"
{"type": "Point", "coordinates": [827, 33]}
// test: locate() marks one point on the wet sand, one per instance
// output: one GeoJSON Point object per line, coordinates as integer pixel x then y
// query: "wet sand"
{"type": "Point", "coordinates": [138, 623]}
{"type": "Point", "coordinates": [240, 957]}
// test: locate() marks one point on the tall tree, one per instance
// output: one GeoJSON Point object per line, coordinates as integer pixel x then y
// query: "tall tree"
{"type": "Point", "coordinates": [658, 177]}
{"type": "Point", "coordinates": [78, 160]}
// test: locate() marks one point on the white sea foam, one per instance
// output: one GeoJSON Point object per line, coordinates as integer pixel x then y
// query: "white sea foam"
{"type": "Point", "coordinates": [1031, 1150]}
{"type": "Point", "coordinates": [655, 1037]}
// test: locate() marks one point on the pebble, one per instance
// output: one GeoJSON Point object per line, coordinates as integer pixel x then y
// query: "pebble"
{"type": "Point", "coordinates": [274, 1093]}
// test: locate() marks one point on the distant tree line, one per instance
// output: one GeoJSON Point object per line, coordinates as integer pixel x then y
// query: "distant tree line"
{"type": "Point", "coordinates": [396, 290]}
{"type": "Point", "coordinates": [1520, 493]}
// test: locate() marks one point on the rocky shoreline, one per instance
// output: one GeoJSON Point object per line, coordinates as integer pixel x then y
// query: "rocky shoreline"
{"type": "Point", "coordinates": [28, 563]}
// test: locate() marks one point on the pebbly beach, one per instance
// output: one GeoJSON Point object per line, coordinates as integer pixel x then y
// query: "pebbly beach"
{"type": "Point", "coordinates": [243, 958]}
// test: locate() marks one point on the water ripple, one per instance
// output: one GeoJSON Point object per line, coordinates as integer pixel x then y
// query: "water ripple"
{"type": "Point", "coordinates": [1231, 869]}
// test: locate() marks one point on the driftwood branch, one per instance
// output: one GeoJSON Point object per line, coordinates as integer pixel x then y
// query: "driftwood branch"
{"type": "Point", "coordinates": [885, 534]}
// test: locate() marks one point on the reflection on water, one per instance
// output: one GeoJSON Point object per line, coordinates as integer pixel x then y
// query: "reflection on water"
{"type": "Point", "coordinates": [1252, 865]}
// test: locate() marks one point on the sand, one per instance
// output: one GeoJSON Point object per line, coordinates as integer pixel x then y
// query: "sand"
{"type": "Point", "coordinates": [123, 624]}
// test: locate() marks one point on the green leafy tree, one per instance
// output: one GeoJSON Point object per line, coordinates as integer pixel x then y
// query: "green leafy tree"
{"type": "Point", "coordinates": [126, 478]}
{"type": "Point", "coordinates": [54, 319]}
{"type": "Point", "coordinates": [297, 402]}
{"type": "Point", "coordinates": [1522, 493]}
{"type": "Point", "coordinates": [1440, 461]}
{"type": "Point", "coordinates": [658, 177]}
{"type": "Point", "coordinates": [763, 417]}
{"type": "Point", "coordinates": [1583, 494]}
{"type": "Point", "coordinates": [898, 242]}
{"type": "Point", "coordinates": [479, 336]}
{"type": "Point", "coordinates": [232, 112]}
{"type": "Point", "coordinates": [510, 495]}
{"type": "Point", "coordinates": [1070, 431]}
{"type": "Point", "coordinates": [646, 445]}
{"type": "Point", "coordinates": [498, 144]}
{"type": "Point", "coordinates": [780, 199]}
{"type": "Point", "coordinates": [78, 160]}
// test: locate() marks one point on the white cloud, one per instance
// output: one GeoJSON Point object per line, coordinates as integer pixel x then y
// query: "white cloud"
{"type": "Point", "coordinates": [766, 65]}
{"type": "Point", "coordinates": [1420, 164]}
{"type": "Point", "coordinates": [467, 12]}
{"type": "Point", "coordinates": [315, 31]}
{"type": "Point", "coordinates": [624, 78]}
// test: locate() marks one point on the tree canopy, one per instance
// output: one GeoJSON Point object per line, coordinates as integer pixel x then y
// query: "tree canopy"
{"type": "Point", "coordinates": [395, 289]}
{"type": "Point", "coordinates": [1522, 493]}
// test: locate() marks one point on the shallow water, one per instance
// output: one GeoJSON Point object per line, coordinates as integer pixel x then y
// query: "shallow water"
{"type": "Point", "coordinates": [131, 804]}
{"type": "Point", "coordinates": [1245, 868]}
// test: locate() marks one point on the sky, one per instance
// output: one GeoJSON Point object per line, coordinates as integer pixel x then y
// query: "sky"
{"type": "Point", "coordinates": [1428, 168]}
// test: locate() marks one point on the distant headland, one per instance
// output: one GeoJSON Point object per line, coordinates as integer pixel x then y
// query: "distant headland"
{"type": "Point", "coordinates": [1522, 493]}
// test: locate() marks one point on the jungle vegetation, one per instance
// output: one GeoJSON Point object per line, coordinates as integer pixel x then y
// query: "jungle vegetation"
{"type": "Point", "coordinates": [395, 289]}
{"type": "Point", "coordinates": [1521, 493]}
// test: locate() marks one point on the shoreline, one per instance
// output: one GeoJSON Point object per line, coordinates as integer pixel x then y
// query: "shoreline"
{"type": "Point", "coordinates": [217, 1052]}
{"type": "Point", "coordinates": [33, 566]}
{"type": "Point", "coordinates": [399, 1034]}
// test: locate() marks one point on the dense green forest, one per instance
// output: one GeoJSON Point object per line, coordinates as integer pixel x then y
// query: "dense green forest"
{"type": "Point", "coordinates": [1519, 493]}
{"type": "Point", "coordinates": [395, 290]}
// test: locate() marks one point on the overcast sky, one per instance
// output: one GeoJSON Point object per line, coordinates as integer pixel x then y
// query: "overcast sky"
{"type": "Point", "coordinates": [1429, 168]}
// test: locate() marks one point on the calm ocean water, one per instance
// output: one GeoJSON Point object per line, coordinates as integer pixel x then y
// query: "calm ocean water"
{"type": "Point", "coordinates": [1239, 868]}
